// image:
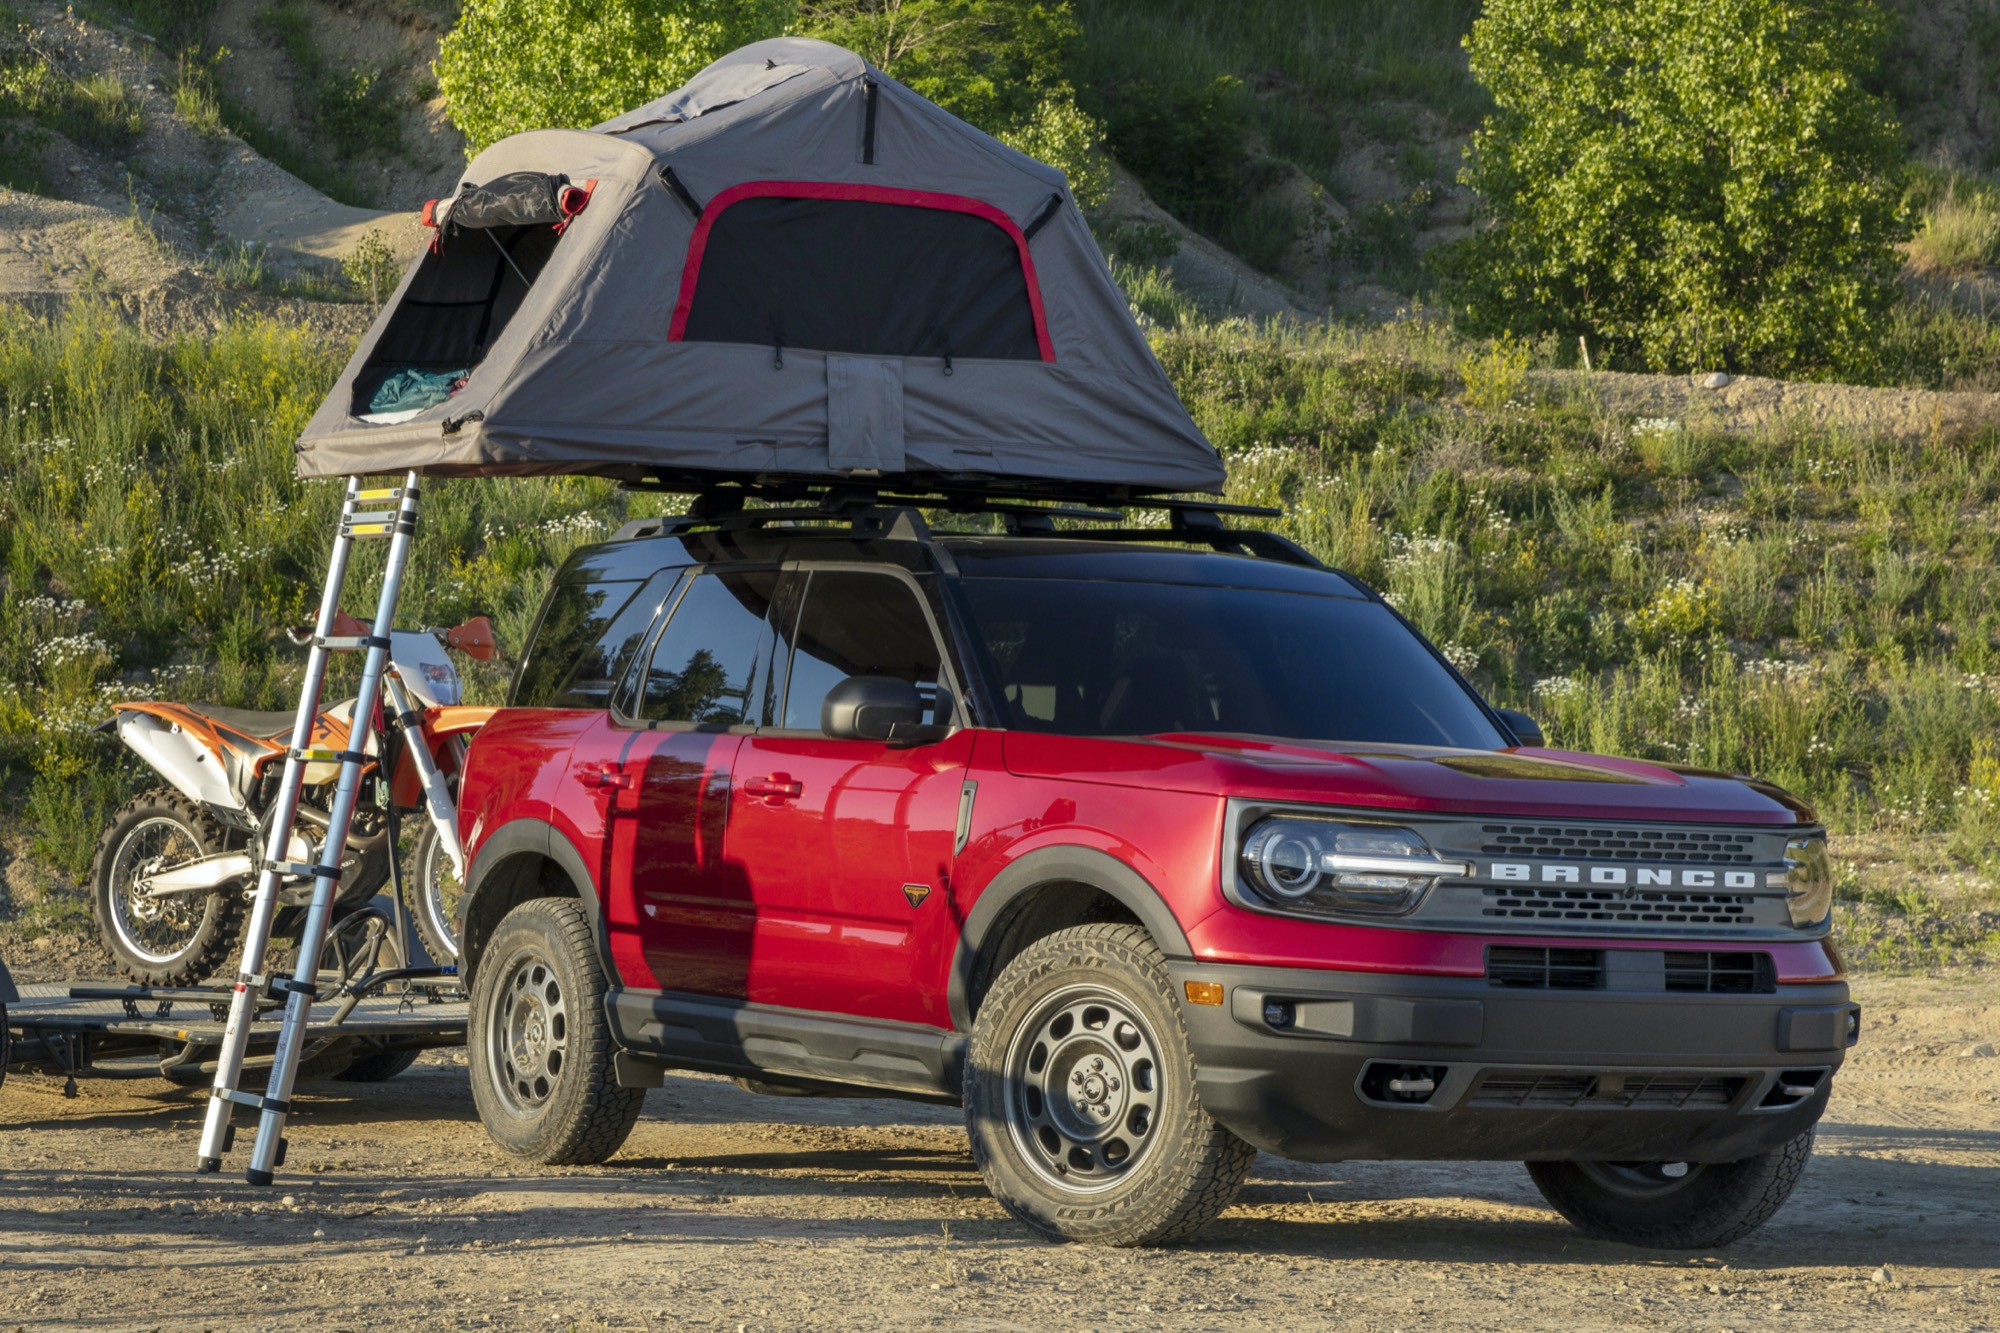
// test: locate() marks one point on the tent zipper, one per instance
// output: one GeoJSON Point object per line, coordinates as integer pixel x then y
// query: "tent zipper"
{"type": "Point", "coordinates": [873, 93]}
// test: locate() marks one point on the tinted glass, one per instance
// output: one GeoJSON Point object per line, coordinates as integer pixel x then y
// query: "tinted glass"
{"type": "Point", "coordinates": [704, 667]}
{"type": "Point", "coordinates": [1139, 659]}
{"type": "Point", "coordinates": [585, 632]}
{"type": "Point", "coordinates": [857, 625]}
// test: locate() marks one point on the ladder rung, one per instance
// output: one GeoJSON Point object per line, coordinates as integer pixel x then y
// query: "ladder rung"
{"type": "Point", "coordinates": [349, 643]}
{"type": "Point", "coordinates": [331, 756]}
{"type": "Point", "coordinates": [371, 497]}
{"type": "Point", "coordinates": [303, 871]}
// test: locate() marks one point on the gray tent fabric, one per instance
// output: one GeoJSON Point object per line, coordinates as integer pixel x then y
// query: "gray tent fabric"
{"type": "Point", "coordinates": [793, 267]}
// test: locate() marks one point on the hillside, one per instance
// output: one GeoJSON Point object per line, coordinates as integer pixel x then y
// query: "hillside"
{"type": "Point", "coordinates": [1789, 579]}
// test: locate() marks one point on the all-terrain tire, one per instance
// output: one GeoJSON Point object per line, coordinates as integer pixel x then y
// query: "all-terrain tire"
{"type": "Point", "coordinates": [1711, 1204]}
{"type": "Point", "coordinates": [1080, 1096]}
{"type": "Point", "coordinates": [197, 936]}
{"type": "Point", "coordinates": [538, 1043]}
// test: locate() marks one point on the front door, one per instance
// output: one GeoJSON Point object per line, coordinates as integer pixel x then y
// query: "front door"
{"type": "Point", "coordinates": [847, 845]}
{"type": "Point", "coordinates": [680, 913]}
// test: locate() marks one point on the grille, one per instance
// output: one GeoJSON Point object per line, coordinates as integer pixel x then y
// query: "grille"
{"type": "Point", "coordinates": [1618, 844]}
{"type": "Point", "coordinates": [1722, 973]}
{"type": "Point", "coordinates": [1679, 907]}
{"type": "Point", "coordinates": [1532, 968]}
{"type": "Point", "coordinates": [1568, 1089]}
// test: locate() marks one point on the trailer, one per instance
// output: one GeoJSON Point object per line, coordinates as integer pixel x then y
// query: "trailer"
{"type": "Point", "coordinates": [363, 1031]}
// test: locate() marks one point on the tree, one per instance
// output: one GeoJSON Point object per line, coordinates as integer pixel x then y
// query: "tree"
{"type": "Point", "coordinates": [513, 65]}
{"type": "Point", "coordinates": [1690, 183]}
{"type": "Point", "coordinates": [998, 64]}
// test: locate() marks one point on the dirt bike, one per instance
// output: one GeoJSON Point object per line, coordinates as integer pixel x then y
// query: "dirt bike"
{"type": "Point", "coordinates": [178, 863]}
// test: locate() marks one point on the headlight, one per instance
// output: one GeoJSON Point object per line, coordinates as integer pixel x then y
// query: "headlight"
{"type": "Point", "coordinates": [1321, 865]}
{"type": "Point", "coordinates": [1807, 880]}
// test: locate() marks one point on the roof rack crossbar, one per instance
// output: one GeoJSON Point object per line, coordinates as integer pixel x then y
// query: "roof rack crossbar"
{"type": "Point", "coordinates": [892, 512]}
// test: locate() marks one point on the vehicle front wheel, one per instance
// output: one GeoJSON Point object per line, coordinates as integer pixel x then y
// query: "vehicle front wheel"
{"type": "Point", "coordinates": [439, 893]}
{"type": "Point", "coordinates": [1674, 1205]}
{"type": "Point", "coordinates": [539, 1046]}
{"type": "Point", "coordinates": [1080, 1097]}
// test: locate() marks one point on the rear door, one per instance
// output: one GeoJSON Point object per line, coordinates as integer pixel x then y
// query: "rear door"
{"type": "Point", "coordinates": [680, 913]}
{"type": "Point", "coordinates": [846, 845]}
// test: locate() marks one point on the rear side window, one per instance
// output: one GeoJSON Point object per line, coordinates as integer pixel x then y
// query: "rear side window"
{"type": "Point", "coordinates": [857, 624]}
{"type": "Point", "coordinates": [705, 668]}
{"type": "Point", "coordinates": [587, 633]}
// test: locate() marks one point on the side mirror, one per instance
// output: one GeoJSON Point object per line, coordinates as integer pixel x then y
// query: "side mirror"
{"type": "Point", "coordinates": [877, 708]}
{"type": "Point", "coordinates": [1526, 730]}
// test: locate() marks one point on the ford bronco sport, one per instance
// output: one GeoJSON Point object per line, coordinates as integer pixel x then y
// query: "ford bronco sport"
{"type": "Point", "coordinates": [1151, 848]}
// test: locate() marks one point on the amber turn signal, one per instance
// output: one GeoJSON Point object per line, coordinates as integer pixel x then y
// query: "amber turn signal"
{"type": "Point", "coordinates": [1204, 992]}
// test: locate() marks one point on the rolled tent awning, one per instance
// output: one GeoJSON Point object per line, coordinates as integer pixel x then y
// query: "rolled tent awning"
{"type": "Point", "coordinates": [792, 267]}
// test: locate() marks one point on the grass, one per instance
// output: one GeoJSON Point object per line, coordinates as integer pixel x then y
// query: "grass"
{"type": "Point", "coordinates": [350, 109]}
{"type": "Point", "coordinates": [1812, 607]}
{"type": "Point", "coordinates": [38, 99]}
{"type": "Point", "coordinates": [1213, 105]}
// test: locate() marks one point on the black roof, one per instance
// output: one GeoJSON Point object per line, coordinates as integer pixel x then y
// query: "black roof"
{"type": "Point", "coordinates": [1120, 555]}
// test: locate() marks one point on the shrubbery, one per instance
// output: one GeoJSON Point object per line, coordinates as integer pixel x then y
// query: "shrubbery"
{"type": "Point", "coordinates": [513, 65]}
{"type": "Point", "coordinates": [1690, 183]}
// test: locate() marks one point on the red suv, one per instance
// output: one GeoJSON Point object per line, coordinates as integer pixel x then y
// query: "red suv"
{"type": "Point", "coordinates": [1151, 848]}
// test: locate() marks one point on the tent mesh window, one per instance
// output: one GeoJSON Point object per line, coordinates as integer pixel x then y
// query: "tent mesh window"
{"type": "Point", "coordinates": [860, 276]}
{"type": "Point", "coordinates": [458, 304]}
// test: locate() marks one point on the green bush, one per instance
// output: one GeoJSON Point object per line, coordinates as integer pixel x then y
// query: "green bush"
{"type": "Point", "coordinates": [1694, 184]}
{"type": "Point", "coordinates": [514, 65]}
{"type": "Point", "coordinates": [996, 64]}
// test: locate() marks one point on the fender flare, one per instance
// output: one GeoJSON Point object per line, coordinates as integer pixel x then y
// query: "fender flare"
{"type": "Point", "coordinates": [1063, 864]}
{"type": "Point", "coordinates": [526, 836]}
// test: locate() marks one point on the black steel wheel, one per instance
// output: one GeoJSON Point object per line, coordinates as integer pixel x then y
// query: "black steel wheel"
{"type": "Point", "coordinates": [1674, 1205]}
{"type": "Point", "coordinates": [162, 941]}
{"type": "Point", "coordinates": [1080, 1096]}
{"type": "Point", "coordinates": [540, 1048]}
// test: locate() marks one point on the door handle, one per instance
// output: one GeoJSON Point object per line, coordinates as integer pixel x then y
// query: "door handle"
{"type": "Point", "coordinates": [777, 788]}
{"type": "Point", "coordinates": [607, 777]}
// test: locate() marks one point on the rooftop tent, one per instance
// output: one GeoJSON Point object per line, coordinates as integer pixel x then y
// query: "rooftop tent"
{"type": "Point", "coordinates": [793, 267]}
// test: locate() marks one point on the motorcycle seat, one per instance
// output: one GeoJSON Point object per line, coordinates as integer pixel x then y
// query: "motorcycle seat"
{"type": "Point", "coordinates": [248, 721]}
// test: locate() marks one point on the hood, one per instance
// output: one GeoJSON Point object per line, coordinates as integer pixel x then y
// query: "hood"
{"type": "Point", "coordinates": [1532, 782]}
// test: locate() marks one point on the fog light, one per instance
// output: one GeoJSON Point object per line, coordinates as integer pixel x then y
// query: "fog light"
{"type": "Point", "coordinates": [1279, 1013]}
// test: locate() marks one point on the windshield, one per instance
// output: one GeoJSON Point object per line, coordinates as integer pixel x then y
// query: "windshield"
{"type": "Point", "coordinates": [1085, 658]}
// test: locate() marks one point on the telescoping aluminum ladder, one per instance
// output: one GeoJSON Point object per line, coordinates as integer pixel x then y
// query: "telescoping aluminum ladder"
{"type": "Point", "coordinates": [398, 526]}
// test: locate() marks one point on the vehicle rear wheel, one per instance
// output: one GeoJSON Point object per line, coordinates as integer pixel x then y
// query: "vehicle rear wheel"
{"type": "Point", "coordinates": [170, 941]}
{"type": "Point", "coordinates": [1674, 1205]}
{"type": "Point", "coordinates": [539, 1046]}
{"type": "Point", "coordinates": [1080, 1097]}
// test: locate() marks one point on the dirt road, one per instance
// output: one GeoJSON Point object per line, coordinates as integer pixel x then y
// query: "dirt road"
{"type": "Point", "coordinates": [729, 1211]}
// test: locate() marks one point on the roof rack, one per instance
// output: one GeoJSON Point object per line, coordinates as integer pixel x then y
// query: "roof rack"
{"type": "Point", "coordinates": [891, 512]}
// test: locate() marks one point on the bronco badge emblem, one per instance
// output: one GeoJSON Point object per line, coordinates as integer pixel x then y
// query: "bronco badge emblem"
{"type": "Point", "coordinates": [916, 893]}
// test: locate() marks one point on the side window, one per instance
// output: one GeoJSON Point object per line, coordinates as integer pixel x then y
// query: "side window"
{"type": "Point", "coordinates": [586, 632]}
{"type": "Point", "coordinates": [857, 624]}
{"type": "Point", "coordinates": [705, 665]}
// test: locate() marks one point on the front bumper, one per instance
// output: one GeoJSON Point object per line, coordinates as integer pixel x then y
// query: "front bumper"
{"type": "Point", "coordinates": [1523, 1075]}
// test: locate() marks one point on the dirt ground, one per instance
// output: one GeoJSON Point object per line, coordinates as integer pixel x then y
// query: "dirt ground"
{"type": "Point", "coordinates": [737, 1212]}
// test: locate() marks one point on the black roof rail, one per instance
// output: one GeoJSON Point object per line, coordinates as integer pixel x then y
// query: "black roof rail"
{"type": "Point", "coordinates": [892, 512]}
